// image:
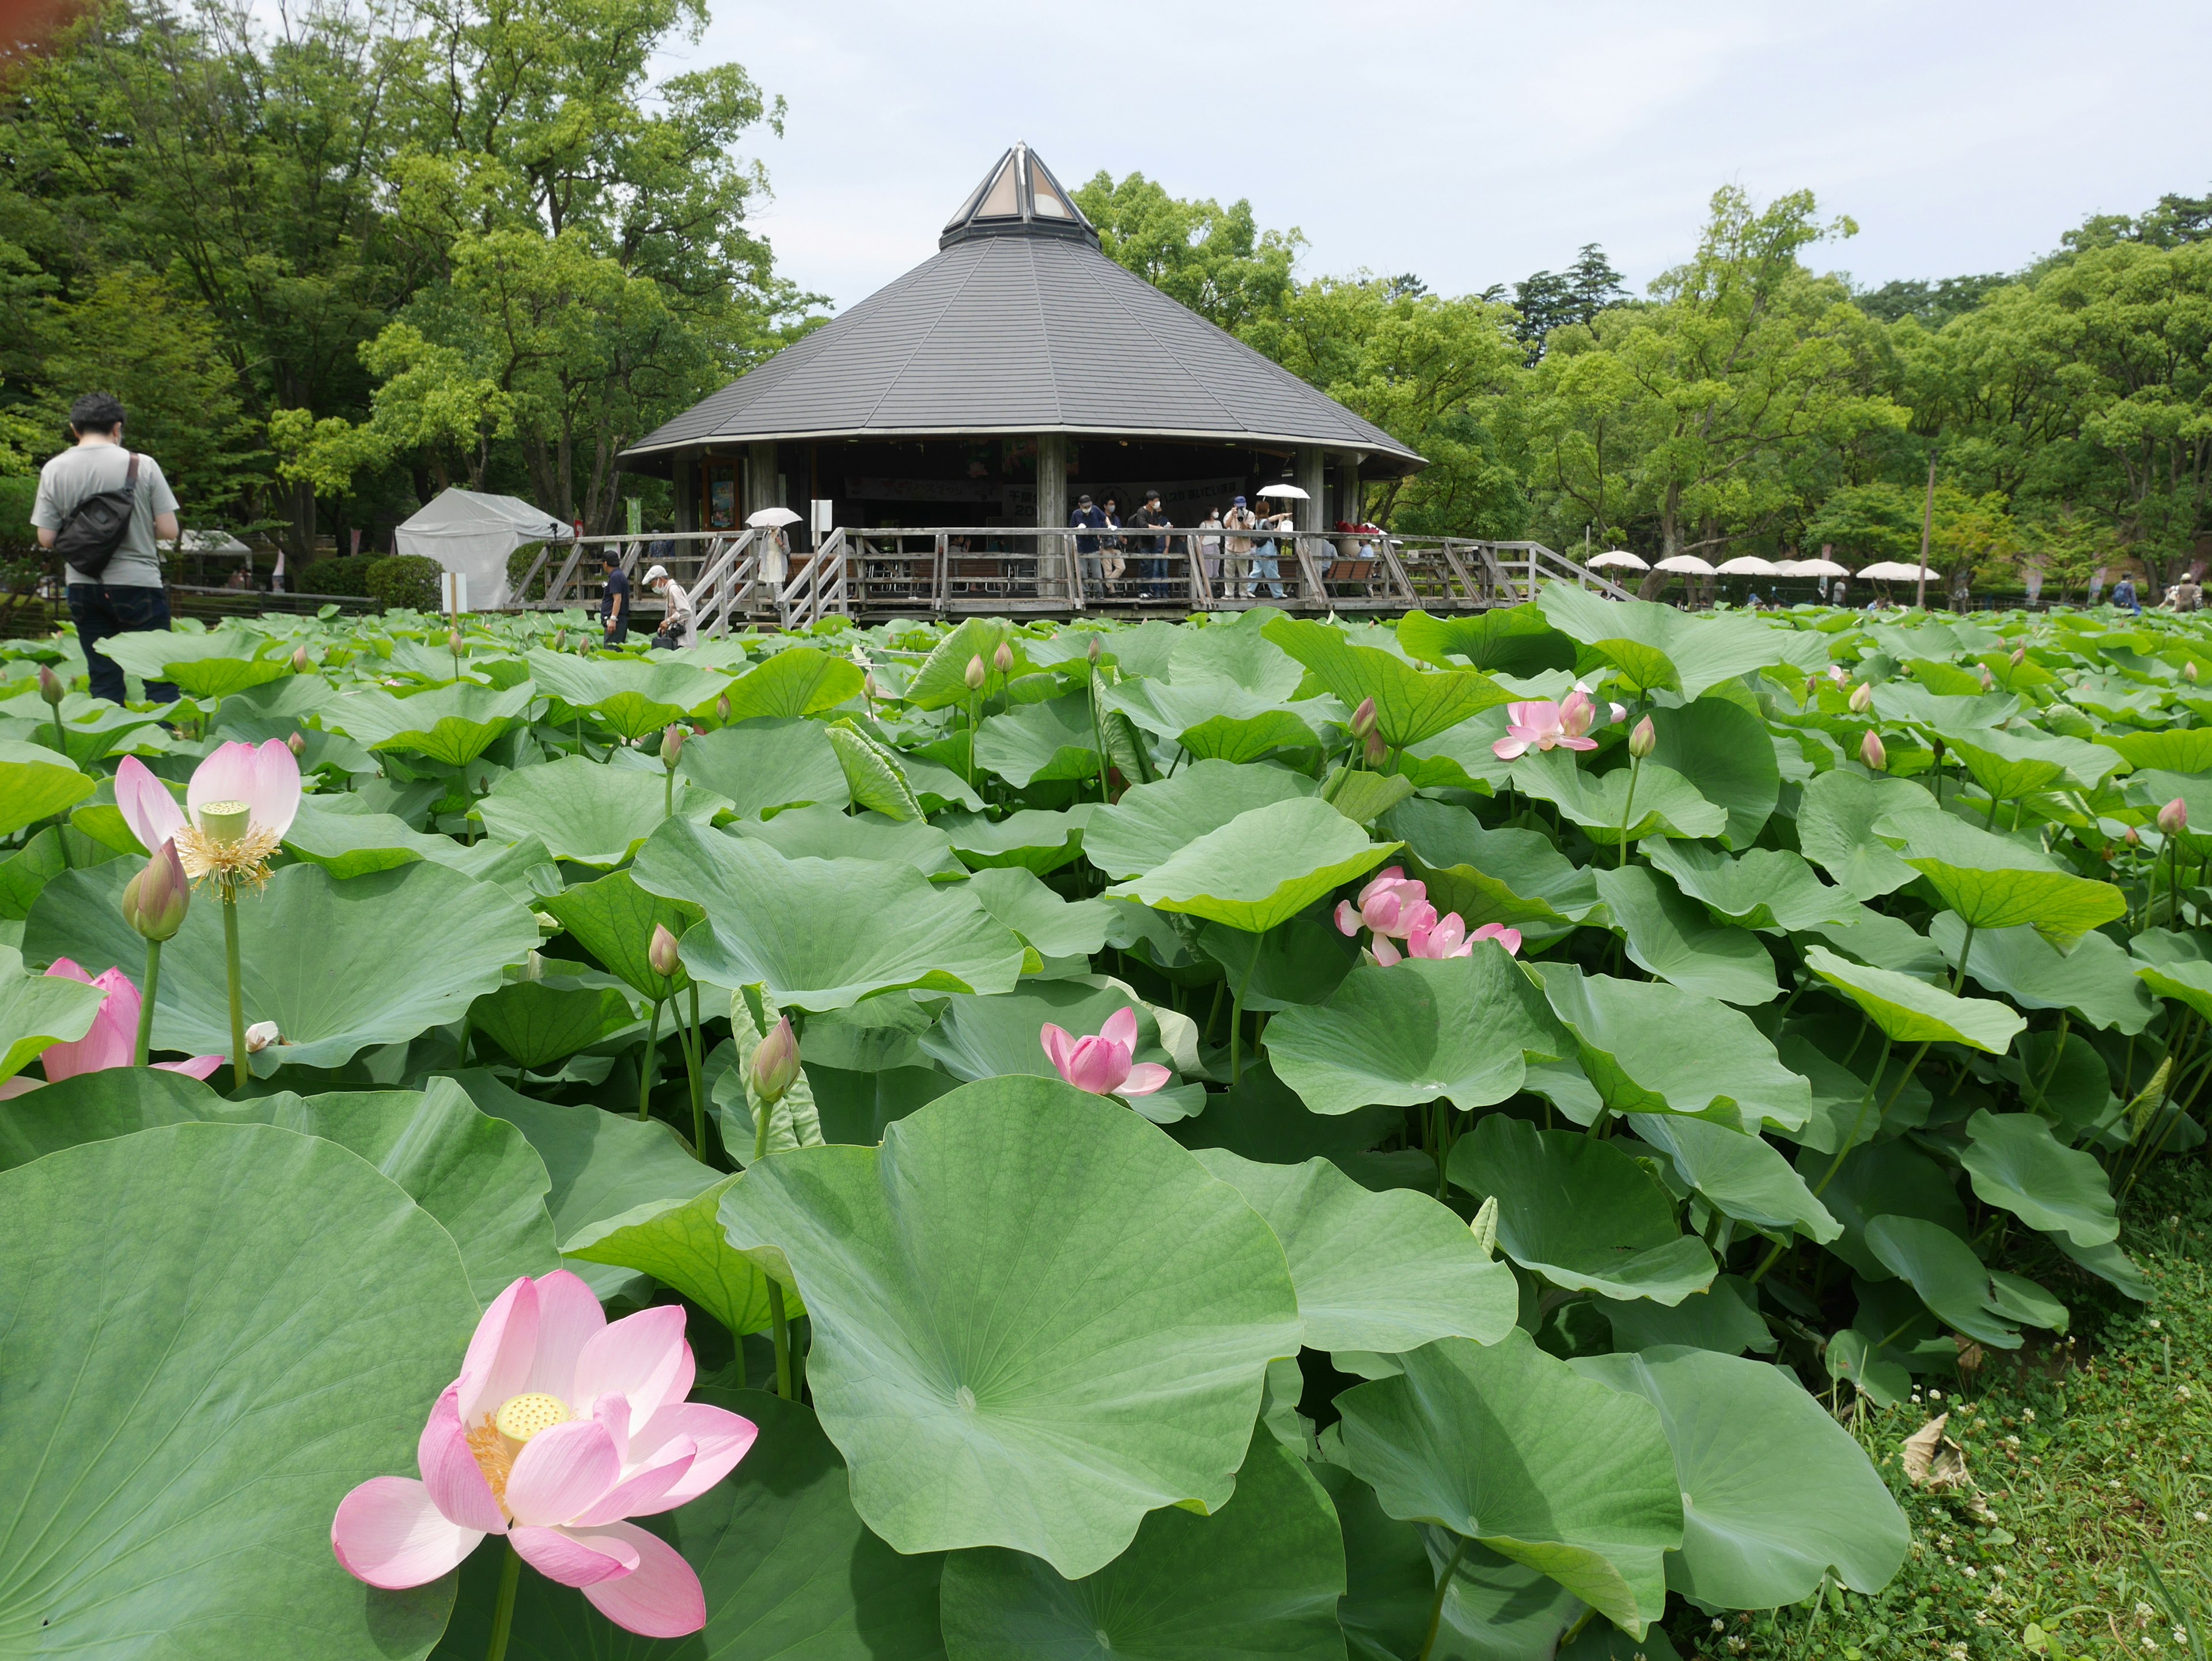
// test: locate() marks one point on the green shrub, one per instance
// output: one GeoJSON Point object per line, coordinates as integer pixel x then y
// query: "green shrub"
{"type": "Point", "coordinates": [518, 567]}
{"type": "Point", "coordinates": [336, 576]}
{"type": "Point", "coordinates": [405, 579]}
{"type": "Point", "coordinates": [17, 492]}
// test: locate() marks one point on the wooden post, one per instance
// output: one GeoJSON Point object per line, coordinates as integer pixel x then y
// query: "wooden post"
{"type": "Point", "coordinates": [1052, 513]}
{"type": "Point", "coordinates": [1348, 503]}
{"type": "Point", "coordinates": [760, 478]}
{"type": "Point", "coordinates": [1312, 479]}
{"type": "Point", "coordinates": [1927, 524]}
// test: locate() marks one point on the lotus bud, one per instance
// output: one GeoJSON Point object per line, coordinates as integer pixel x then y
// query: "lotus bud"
{"type": "Point", "coordinates": [1836, 673]}
{"type": "Point", "coordinates": [2173, 818]}
{"type": "Point", "coordinates": [2019, 656]}
{"type": "Point", "coordinates": [1485, 1226]}
{"type": "Point", "coordinates": [1098, 648]}
{"type": "Point", "coordinates": [1643, 739]}
{"type": "Point", "coordinates": [156, 900]}
{"type": "Point", "coordinates": [261, 1035]}
{"type": "Point", "coordinates": [299, 660]}
{"type": "Point", "coordinates": [776, 1063]}
{"type": "Point", "coordinates": [1872, 753]}
{"type": "Point", "coordinates": [722, 708]}
{"type": "Point", "coordinates": [1003, 658]}
{"type": "Point", "coordinates": [453, 641]}
{"type": "Point", "coordinates": [671, 745]}
{"type": "Point", "coordinates": [1616, 713]}
{"type": "Point", "coordinates": [1863, 698]}
{"type": "Point", "coordinates": [296, 743]}
{"type": "Point", "coordinates": [869, 688]}
{"type": "Point", "coordinates": [2132, 836]}
{"type": "Point", "coordinates": [976, 673]}
{"type": "Point", "coordinates": [1988, 679]}
{"type": "Point", "coordinates": [50, 685]}
{"type": "Point", "coordinates": [1375, 748]}
{"type": "Point", "coordinates": [2188, 670]}
{"type": "Point", "coordinates": [1363, 718]}
{"type": "Point", "coordinates": [661, 954]}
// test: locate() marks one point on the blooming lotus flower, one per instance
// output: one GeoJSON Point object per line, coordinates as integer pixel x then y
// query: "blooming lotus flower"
{"type": "Point", "coordinates": [1540, 724]}
{"type": "Point", "coordinates": [114, 1039]}
{"type": "Point", "coordinates": [560, 1427]}
{"type": "Point", "coordinates": [1447, 938]}
{"type": "Point", "coordinates": [1390, 905]}
{"type": "Point", "coordinates": [241, 801]}
{"type": "Point", "coordinates": [1101, 1065]}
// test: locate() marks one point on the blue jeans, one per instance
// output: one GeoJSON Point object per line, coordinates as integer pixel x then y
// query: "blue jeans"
{"type": "Point", "coordinates": [100, 612]}
{"type": "Point", "coordinates": [1264, 566]}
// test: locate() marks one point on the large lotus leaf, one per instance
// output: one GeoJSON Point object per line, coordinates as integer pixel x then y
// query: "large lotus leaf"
{"type": "Point", "coordinates": [2094, 978]}
{"type": "Point", "coordinates": [1776, 1495]}
{"type": "Point", "coordinates": [212, 1332]}
{"type": "Point", "coordinates": [789, 1571]}
{"type": "Point", "coordinates": [1889, 1178]}
{"type": "Point", "coordinates": [1235, 652]}
{"type": "Point", "coordinates": [1769, 889]}
{"type": "Point", "coordinates": [207, 666]}
{"type": "Point", "coordinates": [1580, 1212]}
{"type": "Point", "coordinates": [1410, 705]}
{"type": "Point", "coordinates": [35, 783]}
{"type": "Point", "coordinates": [1455, 1029]}
{"type": "Point", "coordinates": [537, 1024]}
{"type": "Point", "coordinates": [1744, 1176]}
{"type": "Point", "coordinates": [1664, 803]}
{"type": "Point", "coordinates": [1055, 927]}
{"type": "Point", "coordinates": [2172, 749]}
{"type": "Point", "coordinates": [451, 725]}
{"type": "Point", "coordinates": [1217, 719]}
{"type": "Point", "coordinates": [1512, 1449]}
{"type": "Point", "coordinates": [680, 1243]}
{"type": "Point", "coordinates": [1944, 1270]}
{"type": "Point", "coordinates": [1673, 938]}
{"type": "Point", "coordinates": [337, 965]}
{"type": "Point", "coordinates": [1302, 961]}
{"type": "Point", "coordinates": [1913, 1012]}
{"type": "Point", "coordinates": [2191, 982]}
{"type": "Point", "coordinates": [1260, 1119]}
{"type": "Point", "coordinates": [942, 680]}
{"type": "Point", "coordinates": [1261, 869]}
{"type": "Point", "coordinates": [1723, 1317]}
{"type": "Point", "coordinates": [589, 811]}
{"type": "Point", "coordinates": [1261, 1578]}
{"type": "Point", "coordinates": [613, 919]}
{"type": "Point", "coordinates": [1886, 942]}
{"type": "Point", "coordinates": [630, 697]}
{"type": "Point", "coordinates": [989, 1037]}
{"type": "Point", "coordinates": [2015, 1162]}
{"type": "Point", "coordinates": [1508, 875]}
{"type": "Point", "coordinates": [1844, 1107]}
{"type": "Point", "coordinates": [1463, 758]}
{"type": "Point", "coordinates": [1907, 701]}
{"type": "Point", "coordinates": [1031, 838]}
{"type": "Point", "coordinates": [824, 934]}
{"type": "Point", "coordinates": [824, 832]}
{"type": "Point", "coordinates": [338, 834]}
{"type": "Point", "coordinates": [1656, 647]}
{"type": "Point", "coordinates": [1034, 742]}
{"type": "Point", "coordinates": [1836, 821]}
{"type": "Point", "coordinates": [877, 776]}
{"type": "Point", "coordinates": [39, 1011]}
{"type": "Point", "coordinates": [1152, 823]}
{"type": "Point", "coordinates": [1994, 883]}
{"type": "Point", "coordinates": [800, 680]}
{"type": "Point", "coordinates": [760, 766]}
{"type": "Point", "coordinates": [2011, 765]}
{"type": "Point", "coordinates": [1383, 1272]}
{"type": "Point", "coordinates": [1035, 1318]}
{"type": "Point", "coordinates": [1512, 639]}
{"type": "Point", "coordinates": [1722, 750]}
{"type": "Point", "coordinates": [1652, 1048]}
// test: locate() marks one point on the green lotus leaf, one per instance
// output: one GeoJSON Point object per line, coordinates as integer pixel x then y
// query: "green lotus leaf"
{"type": "Point", "coordinates": [1897, 700]}
{"type": "Point", "coordinates": [1030, 838]}
{"type": "Point", "coordinates": [1035, 1318]}
{"type": "Point", "coordinates": [1673, 938]}
{"type": "Point", "coordinates": [1152, 823]}
{"type": "Point", "coordinates": [204, 666]}
{"type": "Point", "coordinates": [1743, 1176]}
{"type": "Point", "coordinates": [1300, 962]}
{"type": "Point", "coordinates": [1215, 719]}
{"type": "Point", "coordinates": [1836, 822]}
{"type": "Point", "coordinates": [760, 766]}
{"type": "Point", "coordinates": [824, 832]}
{"type": "Point", "coordinates": [1410, 705]}
{"type": "Point", "coordinates": [2175, 966]}
{"type": "Point", "coordinates": [800, 680]}
{"type": "Point", "coordinates": [1768, 888]}
{"type": "Point", "coordinates": [1722, 750]}
{"type": "Point", "coordinates": [1382, 1271]}
{"type": "Point", "coordinates": [613, 919]}
{"type": "Point", "coordinates": [1777, 1498]}
{"type": "Point", "coordinates": [2109, 1263]}
{"type": "Point", "coordinates": [989, 1037]}
{"type": "Point", "coordinates": [1507, 876]}
{"type": "Point", "coordinates": [1455, 1029]}
{"type": "Point", "coordinates": [1885, 942]}
{"type": "Point", "coordinates": [35, 783]}
{"type": "Point", "coordinates": [340, 833]}
{"type": "Point", "coordinates": [594, 813]}
{"type": "Point", "coordinates": [1580, 1212]}
{"type": "Point", "coordinates": [1055, 927]}
{"type": "Point", "coordinates": [451, 725]}
{"type": "Point", "coordinates": [942, 680]}
{"type": "Point", "coordinates": [824, 934]}
{"type": "Point", "coordinates": [539, 1024]}
{"type": "Point", "coordinates": [1892, 1178]}
{"type": "Point", "coordinates": [2019, 1299]}
{"type": "Point", "coordinates": [1511, 640]}
{"type": "Point", "coordinates": [876, 777]}
{"type": "Point", "coordinates": [1665, 803]}
{"type": "Point", "coordinates": [1034, 742]}
{"type": "Point", "coordinates": [1462, 757]}
{"type": "Point", "coordinates": [1261, 869]}
{"type": "Point", "coordinates": [1844, 1112]}
{"type": "Point", "coordinates": [2010, 765]}
{"type": "Point", "coordinates": [2094, 978]}
{"type": "Point", "coordinates": [2172, 749]}
{"type": "Point", "coordinates": [1994, 883]}
{"type": "Point", "coordinates": [1363, 797]}
{"type": "Point", "coordinates": [170, 1444]}
{"type": "Point", "coordinates": [1512, 1449]}
{"type": "Point", "coordinates": [680, 1243]}
{"type": "Point", "coordinates": [1723, 1317]}
{"type": "Point", "coordinates": [39, 1011]}
{"type": "Point", "coordinates": [338, 966]}
{"type": "Point", "coordinates": [1913, 1012]}
{"type": "Point", "coordinates": [1260, 1119]}
{"type": "Point", "coordinates": [1652, 1048]}
{"type": "Point", "coordinates": [629, 696]}
{"type": "Point", "coordinates": [38, 861]}
{"type": "Point", "coordinates": [1656, 647]}
{"type": "Point", "coordinates": [2015, 1162]}
{"type": "Point", "coordinates": [1943, 1269]}
{"type": "Point", "coordinates": [788, 1569]}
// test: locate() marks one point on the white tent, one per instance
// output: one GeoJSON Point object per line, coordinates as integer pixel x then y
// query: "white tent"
{"type": "Point", "coordinates": [472, 533]}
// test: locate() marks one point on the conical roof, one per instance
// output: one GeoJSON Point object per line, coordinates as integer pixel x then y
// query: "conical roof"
{"type": "Point", "coordinates": [1020, 325]}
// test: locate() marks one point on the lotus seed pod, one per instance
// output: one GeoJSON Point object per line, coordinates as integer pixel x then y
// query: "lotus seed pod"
{"type": "Point", "coordinates": [1872, 753]}
{"type": "Point", "coordinates": [976, 673]}
{"type": "Point", "coordinates": [722, 708]}
{"type": "Point", "coordinates": [156, 900]}
{"type": "Point", "coordinates": [1003, 658]}
{"type": "Point", "coordinates": [1363, 718]}
{"type": "Point", "coordinates": [1643, 739]}
{"type": "Point", "coordinates": [299, 660]}
{"type": "Point", "coordinates": [2173, 818]}
{"type": "Point", "coordinates": [776, 1063]}
{"type": "Point", "coordinates": [661, 954]}
{"type": "Point", "coordinates": [1863, 698]}
{"type": "Point", "coordinates": [1485, 1226]}
{"type": "Point", "coordinates": [671, 745]}
{"type": "Point", "coordinates": [296, 743]}
{"type": "Point", "coordinates": [50, 685]}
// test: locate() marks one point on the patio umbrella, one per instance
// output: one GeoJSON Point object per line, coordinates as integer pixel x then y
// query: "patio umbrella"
{"type": "Point", "coordinates": [767, 516]}
{"type": "Point", "coordinates": [1818, 568]}
{"type": "Point", "coordinates": [1748, 565]}
{"type": "Point", "coordinates": [1686, 565]}
{"type": "Point", "coordinates": [1896, 570]}
{"type": "Point", "coordinates": [1290, 490]}
{"type": "Point", "coordinates": [1620, 557]}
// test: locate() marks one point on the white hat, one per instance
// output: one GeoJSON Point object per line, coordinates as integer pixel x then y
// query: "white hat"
{"type": "Point", "coordinates": [658, 574]}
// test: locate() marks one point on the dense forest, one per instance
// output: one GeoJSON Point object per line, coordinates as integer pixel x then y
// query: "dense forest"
{"type": "Point", "coordinates": [334, 259]}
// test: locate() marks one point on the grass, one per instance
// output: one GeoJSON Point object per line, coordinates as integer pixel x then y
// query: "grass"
{"type": "Point", "coordinates": [2093, 1462]}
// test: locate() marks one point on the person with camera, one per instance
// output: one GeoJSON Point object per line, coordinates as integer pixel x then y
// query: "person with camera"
{"type": "Point", "coordinates": [101, 508]}
{"type": "Point", "coordinates": [679, 626]}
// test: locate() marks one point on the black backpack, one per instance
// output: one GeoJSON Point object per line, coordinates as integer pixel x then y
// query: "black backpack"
{"type": "Point", "coordinates": [94, 529]}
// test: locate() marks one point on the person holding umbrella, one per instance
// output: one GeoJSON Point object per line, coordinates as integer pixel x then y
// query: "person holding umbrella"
{"type": "Point", "coordinates": [773, 565]}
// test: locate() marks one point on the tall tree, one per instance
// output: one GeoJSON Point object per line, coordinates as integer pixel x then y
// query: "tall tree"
{"type": "Point", "coordinates": [1216, 260]}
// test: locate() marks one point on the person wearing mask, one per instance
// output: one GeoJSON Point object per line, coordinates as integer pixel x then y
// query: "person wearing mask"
{"type": "Point", "coordinates": [614, 601]}
{"type": "Point", "coordinates": [1151, 568]}
{"type": "Point", "coordinates": [679, 628]}
{"type": "Point", "coordinates": [123, 591]}
{"type": "Point", "coordinates": [1087, 517]}
{"type": "Point", "coordinates": [1209, 549]}
{"type": "Point", "coordinates": [1112, 563]}
{"type": "Point", "coordinates": [1238, 549]}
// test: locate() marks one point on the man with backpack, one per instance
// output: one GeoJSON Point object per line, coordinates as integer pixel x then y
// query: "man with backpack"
{"type": "Point", "coordinates": [102, 506]}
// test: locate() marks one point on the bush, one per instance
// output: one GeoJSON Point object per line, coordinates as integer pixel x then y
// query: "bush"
{"type": "Point", "coordinates": [405, 579]}
{"type": "Point", "coordinates": [17, 492]}
{"type": "Point", "coordinates": [336, 576]}
{"type": "Point", "coordinates": [518, 567]}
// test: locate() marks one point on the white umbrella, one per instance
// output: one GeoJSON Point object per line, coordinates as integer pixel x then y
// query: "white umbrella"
{"type": "Point", "coordinates": [767, 516]}
{"type": "Point", "coordinates": [1290, 490]}
{"type": "Point", "coordinates": [1748, 565]}
{"type": "Point", "coordinates": [1688, 565]}
{"type": "Point", "coordinates": [1818, 568]}
{"type": "Point", "coordinates": [1896, 570]}
{"type": "Point", "coordinates": [1616, 557]}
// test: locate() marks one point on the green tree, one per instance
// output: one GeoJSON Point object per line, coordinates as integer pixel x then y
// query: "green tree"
{"type": "Point", "coordinates": [1554, 300]}
{"type": "Point", "coordinates": [1214, 259]}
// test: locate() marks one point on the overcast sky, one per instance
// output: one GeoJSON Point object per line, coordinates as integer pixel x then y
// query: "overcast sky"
{"type": "Point", "coordinates": [1473, 143]}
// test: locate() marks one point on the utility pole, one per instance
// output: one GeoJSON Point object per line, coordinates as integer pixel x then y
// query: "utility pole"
{"type": "Point", "coordinates": [1927, 524]}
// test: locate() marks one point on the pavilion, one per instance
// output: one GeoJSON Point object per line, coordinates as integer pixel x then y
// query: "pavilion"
{"type": "Point", "coordinates": [990, 386]}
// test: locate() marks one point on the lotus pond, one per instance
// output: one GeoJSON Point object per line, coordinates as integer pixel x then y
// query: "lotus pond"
{"type": "Point", "coordinates": [1256, 1137]}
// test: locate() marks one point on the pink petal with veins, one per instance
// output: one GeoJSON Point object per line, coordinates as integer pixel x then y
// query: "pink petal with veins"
{"type": "Point", "coordinates": [497, 1365]}
{"type": "Point", "coordinates": [388, 1533]}
{"type": "Point", "coordinates": [569, 1316]}
{"type": "Point", "coordinates": [451, 1475]}
{"type": "Point", "coordinates": [559, 1555]}
{"type": "Point", "coordinates": [1144, 1078]}
{"type": "Point", "coordinates": [660, 1598]}
{"type": "Point", "coordinates": [561, 1471]}
{"type": "Point", "coordinates": [639, 1357]}
{"type": "Point", "coordinates": [146, 805]}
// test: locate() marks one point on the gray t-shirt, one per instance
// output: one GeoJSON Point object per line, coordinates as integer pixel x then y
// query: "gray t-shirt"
{"type": "Point", "coordinates": [86, 469]}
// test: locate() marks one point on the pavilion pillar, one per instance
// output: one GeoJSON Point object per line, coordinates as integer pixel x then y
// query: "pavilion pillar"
{"type": "Point", "coordinates": [760, 478]}
{"type": "Point", "coordinates": [1312, 479]}
{"type": "Point", "coordinates": [1052, 511]}
{"type": "Point", "coordinates": [1349, 506]}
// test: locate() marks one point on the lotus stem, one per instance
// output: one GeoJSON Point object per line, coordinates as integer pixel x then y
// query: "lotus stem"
{"type": "Point", "coordinates": [668, 794]}
{"type": "Point", "coordinates": [1437, 1604]}
{"type": "Point", "coordinates": [145, 1045]}
{"type": "Point", "coordinates": [780, 1329]}
{"type": "Point", "coordinates": [2173, 883]}
{"type": "Point", "coordinates": [1237, 1022]}
{"type": "Point", "coordinates": [1627, 812]}
{"type": "Point", "coordinates": [691, 1063]}
{"type": "Point", "coordinates": [238, 1070]}
{"type": "Point", "coordinates": [1959, 977]}
{"type": "Point", "coordinates": [61, 740]}
{"type": "Point", "coordinates": [1097, 733]}
{"type": "Point", "coordinates": [502, 1612]}
{"type": "Point", "coordinates": [645, 1074]}
{"type": "Point", "coordinates": [1850, 1141]}
{"type": "Point", "coordinates": [2051, 1066]}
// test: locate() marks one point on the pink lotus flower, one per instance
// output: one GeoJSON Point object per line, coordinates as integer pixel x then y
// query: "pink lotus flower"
{"type": "Point", "coordinates": [1447, 939]}
{"type": "Point", "coordinates": [263, 779]}
{"type": "Point", "coordinates": [112, 1041]}
{"type": "Point", "coordinates": [1101, 1065]}
{"type": "Point", "coordinates": [1390, 905]}
{"type": "Point", "coordinates": [1539, 724]}
{"type": "Point", "coordinates": [560, 1427]}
